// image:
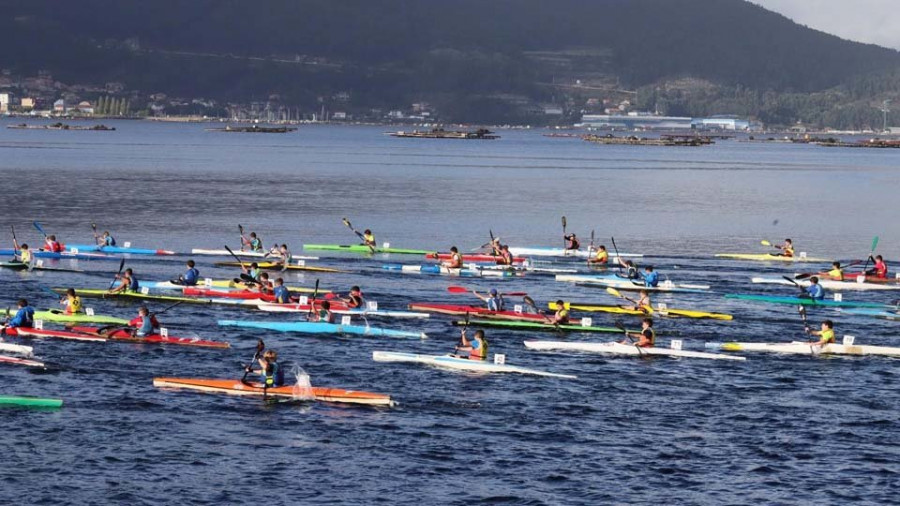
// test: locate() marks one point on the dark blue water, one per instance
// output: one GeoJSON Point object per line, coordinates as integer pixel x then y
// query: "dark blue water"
{"type": "Point", "coordinates": [773, 429]}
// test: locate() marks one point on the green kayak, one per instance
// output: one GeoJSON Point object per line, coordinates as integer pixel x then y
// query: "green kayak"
{"type": "Point", "coordinates": [805, 302]}
{"type": "Point", "coordinates": [520, 325]}
{"type": "Point", "coordinates": [361, 248]}
{"type": "Point", "coordinates": [30, 402]}
{"type": "Point", "coordinates": [104, 294]}
{"type": "Point", "coordinates": [55, 315]}
{"type": "Point", "coordinates": [19, 266]}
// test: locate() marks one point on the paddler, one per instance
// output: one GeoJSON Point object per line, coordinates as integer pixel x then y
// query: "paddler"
{"type": "Point", "coordinates": [572, 242]}
{"type": "Point", "coordinates": [475, 348]}
{"type": "Point", "coordinates": [282, 256]}
{"type": "Point", "coordinates": [368, 239]}
{"type": "Point", "coordinates": [880, 270]}
{"type": "Point", "coordinates": [602, 256]}
{"type": "Point", "coordinates": [836, 273]}
{"type": "Point", "coordinates": [455, 261]}
{"type": "Point", "coordinates": [826, 335]}
{"type": "Point", "coordinates": [24, 317]}
{"type": "Point", "coordinates": [631, 270]}
{"type": "Point", "coordinates": [494, 300]}
{"type": "Point", "coordinates": [646, 338]}
{"type": "Point", "coordinates": [505, 257]}
{"type": "Point", "coordinates": [52, 245]}
{"type": "Point", "coordinates": [787, 248]}
{"type": "Point", "coordinates": [354, 299]}
{"type": "Point", "coordinates": [496, 247]}
{"type": "Point", "coordinates": [71, 302]}
{"type": "Point", "coordinates": [105, 239]}
{"type": "Point", "coordinates": [24, 254]}
{"type": "Point", "coordinates": [282, 294]}
{"type": "Point", "coordinates": [270, 371]}
{"type": "Point", "coordinates": [323, 314]}
{"type": "Point", "coordinates": [651, 278]}
{"type": "Point", "coordinates": [561, 316]}
{"type": "Point", "coordinates": [253, 271]}
{"type": "Point", "coordinates": [127, 282]}
{"type": "Point", "coordinates": [814, 290]}
{"type": "Point", "coordinates": [191, 276]}
{"type": "Point", "coordinates": [145, 324]}
{"type": "Point", "coordinates": [264, 285]}
{"type": "Point", "coordinates": [643, 303]}
{"type": "Point", "coordinates": [254, 242]}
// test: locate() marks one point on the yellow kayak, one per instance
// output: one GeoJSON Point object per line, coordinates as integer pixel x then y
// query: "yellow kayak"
{"type": "Point", "coordinates": [272, 266]}
{"type": "Point", "coordinates": [686, 313]}
{"type": "Point", "coordinates": [766, 257]}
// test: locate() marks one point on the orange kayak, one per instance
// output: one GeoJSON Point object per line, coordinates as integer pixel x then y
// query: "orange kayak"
{"type": "Point", "coordinates": [235, 387]}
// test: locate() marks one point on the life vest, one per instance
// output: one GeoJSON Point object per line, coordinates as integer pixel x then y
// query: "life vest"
{"type": "Point", "coordinates": [26, 256]}
{"type": "Point", "coordinates": [191, 276]}
{"type": "Point", "coordinates": [573, 244]}
{"type": "Point", "coordinates": [256, 244]}
{"type": "Point", "coordinates": [562, 315]}
{"type": "Point", "coordinates": [369, 239]}
{"type": "Point", "coordinates": [145, 325]}
{"type": "Point", "coordinates": [480, 353]}
{"type": "Point", "coordinates": [602, 256]}
{"type": "Point", "coordinates": [456, 261]}
{"type": "Point", "coordinates": [506, 257]}
{"type": "Point", "coordinates": [282, 295]}
{"type": "Point", "coordinates": [133, 284]}
{"type": "Point", "coordinates": [828, 336]}
{"type": "Point", "coordinates": [272, 375]}
{"type": "Point", "coordinates": [836, 274]}
{"type": "Point", "coordinates": [355, 301]}
{"type": "Point", "coordinates": [652, 337]}
{"type": "Point", "coordinates": [54, 246]}
{"type": "Point", "coordinates": [325, 316]}
{"type": "Point", "coordinates": [73, 305]}
{"type": "Point", "coordinates": [881, 270]}
{"type": "Point", "coordinates": [788, 251]}
{"type": "Point", "coordinates": [495, 303]}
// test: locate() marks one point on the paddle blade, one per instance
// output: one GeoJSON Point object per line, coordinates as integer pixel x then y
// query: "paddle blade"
{"type": "Point", "coordinates": [528, 300]}
{"type": "Point", "coordinates": [612, 291]}
{"type": "Point", "coordinates": [39, 228]}
{"type": "Point", "coordinates": [804, 275]}
{"type": "Point", "coordinates": [346, 222]}
{"type": "Point", "coordinates": [457, 289]}
{"type": "Point", "coordinates": [765, 243]}
{"type": "Point", "coordinates": [874, 243]}
{"type": "Point", "coordinates": [241, 228]}
{"type": "Point", "coordinates": [791, 280]}
{"type": "Point", "coordinates": [564, 222]}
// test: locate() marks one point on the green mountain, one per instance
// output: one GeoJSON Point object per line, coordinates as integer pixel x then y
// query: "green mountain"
{"type": "Point", "coordinates": [473, 60]}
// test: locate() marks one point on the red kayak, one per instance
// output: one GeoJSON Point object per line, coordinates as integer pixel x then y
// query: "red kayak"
{"type": "Point", "coordinates": [477, 258]}
{"type": "Point", "coordinates": [57, 334]}
{"type": "Point", "coordinates": [6, 359]}
{"type": "Point", "coordinates": [193, 291]}
{"type": "Point", "coordinates": [120, 334]}
{"type": "Point", "coordinates": [853, 276]}
{"type": "Point", "coordinates": [481, 312]}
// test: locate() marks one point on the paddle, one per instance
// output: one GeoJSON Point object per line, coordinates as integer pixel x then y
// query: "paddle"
{"type": "Point", "coordinates": [168, 308]}
{"type": "Point", "coordinates": [121, 266]}
{"type": "Point", "coordinates": [362, 238]}
{"type": "Point", "coordinates": [615, 293]}
{"type": "Point", "coordinates": [312, 302]}
{"type": "Point", "coordinates": [802, 291]}
{"type": "Point", "coordinates": [618, 258]}
{"type": "Point", "coordinates": [590, 248]}
{"type": "Point", "coordinates": [462, 289]}
{"type": "Point", "coordinates": [235, 256]}
{"type": "Point", "coordinates": [241, 230]}
{"type": "Point", "coordinates": [564, 232]}
{"type": "Point", "coordinates": [461, 334]}
{"type": "Point", "coordinates": [39, 228]}
{"type": "Point", "coordinates": [618, 324]}
{"type": "Point", "coordinates": [530, 302]}
{"type": "Point", "coordinates": [872, 252]}
{"type": "Point", "coordinates": [806, 275]}
{"type": "Point", "coordinates": [260, 347]}
{"type": "Point", "coordinates": [96, 236]}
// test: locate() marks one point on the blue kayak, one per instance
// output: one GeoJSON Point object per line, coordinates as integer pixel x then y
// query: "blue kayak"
{"type": "Point", "coordinates": [446, 271]}
{"type": "Point", "coordinates": [878, 313]}
{"type": "Point", "coordinates": [320, 328]}
{"type": "Point", "coordinates": [62, 256]}
{"type": "Point", "coordinates": [116, 249]}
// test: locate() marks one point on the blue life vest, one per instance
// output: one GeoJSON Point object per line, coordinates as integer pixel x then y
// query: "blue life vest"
{"type": "Point", "coordinates": [273, 375]}
{"type": "Point", "coordinates": [191, 276]}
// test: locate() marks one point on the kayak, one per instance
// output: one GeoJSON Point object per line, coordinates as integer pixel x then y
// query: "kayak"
{"type": "Point", "coordinates": [611, 280]}
{"type": "Point", "coordinates": [526, 267]}
{"type": "Point", "coordinates": [125, 336]}
{"type": "Point", "coordinates": [446, 271]}
{"type": "Point", "coordinates": [19, 266]}
{"type": "Point", "coordinates": [6, 359]}
{"type": "Point", "coordinates": [55, 315]}
{"type": "Point", "coordinates": [890, 315]}
{"type": "Point", "coordinates": [362, 248]}
{"type": "Point", "coordinates": [687, 313]}
{"type": "Point", "coordinates": [235, 387]}
{"type": "Point", "coordinates": [80, 248]}
{"type": "Point", "coordinates": [476, 258]}
{"type": "Point", "coordinates": [802, 348]}
{"type": "Point", "coordinates": [30, 402]}
{"type": "Point", "coordinates": [622, 349]}
{"type": "Point", "coordinates": [54, 334]}
{"type": "Point", "coordinates": [538, 326]}
{"type": "Point", "coordinates": [65, 255]}
{"type": "Point", "coordinates": [321, 328]}
{"type": "Point", "coordinates": [559, 252]}
{"type": "Point", "coordinates": [804, 301]}
{"type": "Point", "coordinates": [480, 311]}
{"type": "Point", "coordinates": [768, 257]}
{"type": "Point", "coordinates": [460, 364]}
{"type": "Point", "coordinates": [19, 349]}
{"type": "Point", "coordinates": [304, 308]}
{"type": "Point", "coordinates": [272, 266]}
{"type": "Point", "coordinates": [827, 283]}
{"type": "Point", "coordinates": [238, 252]}
{"type": "Point", "coordinates": [221, 283]}
{"type": "Point", "coordinates": [104, 294]}
{"type": "Point", "coordinates": [869, 279]}
{"type": "Point", "coordinates": [194, 291]}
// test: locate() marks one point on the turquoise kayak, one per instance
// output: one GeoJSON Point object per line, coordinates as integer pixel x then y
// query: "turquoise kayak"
{"type": "Point", "coordinates": [116, 249]}
{"type": "Point", "coordinates": [805, 302]}
{"type": "Point", "coordinates": [878, 313]}
{"type": "Point", "coordinates": [29, 402]}
{"type": "Point", "coordinates": [321, 328]}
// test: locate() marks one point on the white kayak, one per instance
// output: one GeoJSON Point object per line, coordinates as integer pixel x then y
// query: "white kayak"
{"type": "Point", "coordinates": [827, 283]}
{"type": "Point", "coordinates": [274, 307]}
{"type": "Point", "coordinates": [560, 252]}
{"type": "Point", "coordinates": [805, 348]}
{"type": "Point", "coordinates": [246, 254]}
{"type": "Point", "coordinates": [19, 349]}
{"type": "Point", "coordinates": [521, 268]}
{"type": "Point", "coordinates": [631, 284]}
{"type": "Point", "coordinates": [613, 348]}
{"type": "Point", "coordinates": [459, 364]}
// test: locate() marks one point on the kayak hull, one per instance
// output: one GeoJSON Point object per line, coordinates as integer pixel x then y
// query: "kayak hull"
{"type": "Point", "coordinates": [321, 328]}
{"type": "Point", "coordinates": [829, 284]}
{"type": "Point", "coordinates": [61, 316]}
{"type": "Point", "coordinates": [520, 325]}
{"type": "Point", "coordinates": [234, 387]}
{"type": "Point", "coordinates": [622, 349]}
{"type": "Point", "coordinates": [475, 258]}
{"type": "Point", "coordinates": [684, 313]}
{"type": "Point", "coordinates": [446, 271]}
{"type": "Point", "coordinates": [460, 364]}
{"type": "Point", "coordinates": [116, 249]}
{"type": "Point", "coordinates": [124, 335]}
{"type": "Point", "coordinates": [361, 248]}
{"type": "Point", "coordinates": [805, 302]}
{"type": "Point", "coordinates": [298, 308]}
{"type": "Point", "coordinates": [272, 266]}
{"type": "Point", "coordinates": [559, 252]}
{"type": "Point", "coordinates": [801, 348]}
{"type": "Point", "coordinates": [481, 312]}
{"type": "Point", "coordinates": [766, 257]}
{"type": "Point", "coordinates": [29, 402]}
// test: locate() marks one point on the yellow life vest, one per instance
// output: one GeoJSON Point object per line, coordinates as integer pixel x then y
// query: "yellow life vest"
{"type": "Point", "coordinates": [828, 336]}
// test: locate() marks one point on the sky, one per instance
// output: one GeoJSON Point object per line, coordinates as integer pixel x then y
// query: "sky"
{"type": "Point", "coordinates": [871, 21]}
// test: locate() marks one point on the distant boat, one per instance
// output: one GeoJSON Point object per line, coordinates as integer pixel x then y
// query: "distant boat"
{"type": "Point", "coordinates": [253, 129]}
{"type": "Point", "coordinates": [440, 133]}
{"type": "Point", "coordinates": [62, 126]}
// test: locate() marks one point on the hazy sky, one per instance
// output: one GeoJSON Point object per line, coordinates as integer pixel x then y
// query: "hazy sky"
{"type": "Point", "coordinates": [872, 21]}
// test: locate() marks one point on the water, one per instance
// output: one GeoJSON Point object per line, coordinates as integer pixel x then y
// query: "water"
{"type": "Point", "coordinates": [773, 429]}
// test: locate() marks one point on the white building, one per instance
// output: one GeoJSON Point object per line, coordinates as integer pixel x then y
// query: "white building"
{"type": "Point", "coordinates": [5, 101]}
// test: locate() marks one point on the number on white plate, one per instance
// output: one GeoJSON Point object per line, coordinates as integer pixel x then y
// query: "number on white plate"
{"type": "Point", "coordinates": [74, 251]}
{"type": "Point", "coordinates": [802, 254]}
{"type": "Point", "coordinates": [345, 320]}
{"type": "Point", "coordinates": [39, 324]}
{"type": "Point", "coordinates": [668, 284]}
{"type": "Point", "coordinates": [40, 263]}
{"type": "Point", "coordinates": [849, 340]}
{"type": "Point", "coordinates": [145, 290]}
{"type": "Point", "coordinates": [675, 344]}
{"type": "Point", "coordinates": [164, 332]}
{"type": "Point", "coordinates": [499, 358]}
{"type": "Point", "coordinates": [587, 321]}
{"type": "Point", "coordinates": [662, 307]}
{"type": "Point", "coordinates": [89, 311]}
{"type": "Point", "coordinates": [208, 282]}
{"type": "Point", "coordinates": [303, 300]}
{"type": "Point", "coordinates": [838, 297]}
{"type": "Point", "coordinates": [301, 262]}
{"type": "Point", "coordinates": [127, 244]}
{"type": "Point", "coordinates": [386, 245]}
{"type": "Point", "coordinates": [860, 279]}
{"type": "Point", "coordinates": [372, 305]}
{"type": "Point", "coordinates": [517, 308]}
